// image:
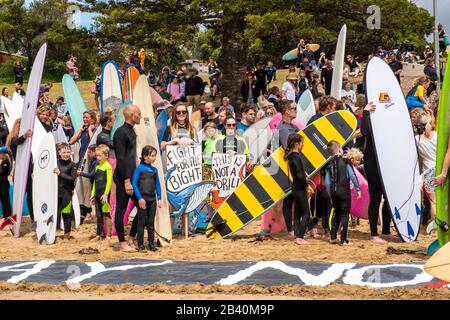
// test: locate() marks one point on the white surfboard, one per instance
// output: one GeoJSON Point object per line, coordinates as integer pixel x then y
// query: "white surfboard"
{"type": "Point", "coordinates": [338, 70]}
{"type": "Point", "coordinates": [305, 107]}
{"type": "Point", "coordinates": [395, 147]}
{"type": "Point", "coordinates": [58, 134]}
{"type": "Point", "coordinates": [148, 135]}
{"type": "Point", "coordinates": [258, 137]}
{"type": "Point", "coordinates": [17, 100]}
{"type": "Point", "coordinates": [24, 150]}
{"type": "Point", "coordinates": [11, 113]}
{"type": "Point", "coordinates": [39, 134]}
{"type": "Point", "coordinates": [45, 200]}
{"type": "Point", "coordinates": [110, 87]}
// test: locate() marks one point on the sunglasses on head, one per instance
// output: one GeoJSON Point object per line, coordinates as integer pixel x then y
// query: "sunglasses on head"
{"type": "Point", "coordinates": [231, 125]}
{"type": "Point", "coordinates": [181, 113]}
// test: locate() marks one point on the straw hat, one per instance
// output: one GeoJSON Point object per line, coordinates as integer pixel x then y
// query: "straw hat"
{"type": "Point", "coordinates": [292, 76]}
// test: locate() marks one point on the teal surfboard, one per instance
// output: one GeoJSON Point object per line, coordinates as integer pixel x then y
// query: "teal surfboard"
{"type": "Point", "coordinates": [74, 101]}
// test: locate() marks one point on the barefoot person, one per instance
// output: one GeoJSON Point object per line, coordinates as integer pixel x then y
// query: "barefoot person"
{"type": "Point", "coordinates": [339, 173]}
{"type": "Point", "coordinates": [374, 181]}
{"type": "Point", "coordinates": [125, 146]}
{"type": "Point", "coordinates": [299, 186]}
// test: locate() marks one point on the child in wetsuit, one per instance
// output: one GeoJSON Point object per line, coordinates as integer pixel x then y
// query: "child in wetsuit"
{"type": "Point", "coordinates": [101, 189]}
{"type": "Point", "coordinates": [5, 170]}
{"type": "Point", "coordinates": [337, 180]}
{"type": "Point", "coordinates": [299, 186]}
{"type": "Point", "coordinates": [67, 174]}
{"type": "Point", "coordinates": [147, 189]}
{"type": "Point", "coordinates": [86, 213]}
{"type": "Point", "coordinates": [356, 157]}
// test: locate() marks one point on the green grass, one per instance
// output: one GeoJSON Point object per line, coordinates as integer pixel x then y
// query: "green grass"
{"type": "Point", "coordinates": [57, 91]}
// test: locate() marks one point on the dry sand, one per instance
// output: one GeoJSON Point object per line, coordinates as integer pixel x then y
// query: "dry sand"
{"type": "Point", "coordinates": [244, 246]}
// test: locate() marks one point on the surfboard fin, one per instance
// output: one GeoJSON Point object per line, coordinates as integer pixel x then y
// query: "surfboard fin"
{"type": "Point", "coordinates": [42, 238]}
{"type": "Point", "coordinates": [50, 220]}
{"type": "Point", "coordinates": [418, 210]}
{"type": "Point", "coordinates": [397, 214]}
{"type": "Point", "coordinates": [432, 248]}
{"type": "Point", "coordinates": [410, 230]}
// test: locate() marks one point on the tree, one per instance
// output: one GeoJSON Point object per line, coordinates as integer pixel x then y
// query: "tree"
{"type": "Point", "coordinates": [244, 31]}
{"type": "Point", "coordinates": [25, 28]}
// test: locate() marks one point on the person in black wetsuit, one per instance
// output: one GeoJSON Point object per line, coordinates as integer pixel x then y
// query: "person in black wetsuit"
{"type": "Point", "coordinates": [299, 187]}
{"type": "Point", "coordinates": [92, 160]}
{"type": "Point", "coordinates": [374, 181]}
{"type": "Point", "coordinates": [125, 145]}
{"type": "Point", "coordinates": [104, 137]}
{"type": "Point", "coordinates": [339, 173]}
{"type": "Point", "coordinates": [5, 170]}
{"type": "Point", "coordinates": [67, 174]}
{"type": "Point", "coordinates": [12, 142]}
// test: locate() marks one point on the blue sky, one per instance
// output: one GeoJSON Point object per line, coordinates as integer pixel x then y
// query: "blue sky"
{"type": "Point", "coordinates": [443, 13]}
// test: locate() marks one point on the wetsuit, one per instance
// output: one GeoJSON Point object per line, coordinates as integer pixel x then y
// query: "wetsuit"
{"type": "Point", "coordinates": [146, 186]}
{"type": "Point", "coordinates": [374, 180]}
{"type": "Point", "coordinates": [15, 142]}
{"type": "Point", "coordinates": [104, 138]}
{"type": "Point", "coordinates": [338, 175]}
{"type": "Point", "coordinates": [66, 185]}
{"type": "Point", "coordinates": [102, 186]}
{"type": "Point", "coordinates": [5, 169]}
{"type": "Point", "coordinates": [84, 142]}
{"type": "Point", "coordinates": [125, 145]}
{"type": "Point", "coordinates": [299, 186]}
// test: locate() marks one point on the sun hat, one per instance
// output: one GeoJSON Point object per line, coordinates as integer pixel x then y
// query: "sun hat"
{"type": "Point", "coordinates": [292, 76]}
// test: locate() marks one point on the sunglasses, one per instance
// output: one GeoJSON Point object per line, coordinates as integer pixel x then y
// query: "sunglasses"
{"type": "Point", "coordinates": [231, 125]}
{"type": "Point", "coordinates": [181, 113]}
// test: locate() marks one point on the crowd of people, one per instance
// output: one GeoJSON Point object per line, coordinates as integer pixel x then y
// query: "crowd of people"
{"type": "Point", "coordinates": [223, 128]}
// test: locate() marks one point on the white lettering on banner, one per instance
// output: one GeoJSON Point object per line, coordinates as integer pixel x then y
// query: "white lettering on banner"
{"type": "Point", "coordinates": [38, 266]}
{"type": "Point", "coordinates": [188, 162]}
{"type": "Point", "coordinates": [327, 277]}
{"type": "Point", "coordinates": [97, 268]}
{"type": "Point", "coordinates": [355, 276]}
{"type": "Point", "coordinates": [227, 170]}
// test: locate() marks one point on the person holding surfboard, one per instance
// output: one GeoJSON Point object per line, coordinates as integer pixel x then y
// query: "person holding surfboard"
{"type": "Point", "coordinates": [125, 145]}
{"type": "Point", "coordinates": [374, 181]}
{"type": "Point", "coordinates": [85, 134]}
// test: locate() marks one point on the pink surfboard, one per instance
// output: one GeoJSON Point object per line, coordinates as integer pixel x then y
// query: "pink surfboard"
{"type": "Point", "coordinates": [277, 119]}
{"type": "Point", "coordinates": [155, 95]}
{"type": "Point", "coordinates": [360, 207]}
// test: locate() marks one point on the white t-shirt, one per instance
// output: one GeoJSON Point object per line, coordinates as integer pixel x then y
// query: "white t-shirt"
{"type": "Point", "coordinates": [427, 151]}
{"type": "Point", "coordinates": [288, 87]}
{"type": "Point", "coordinates": [350, 97]}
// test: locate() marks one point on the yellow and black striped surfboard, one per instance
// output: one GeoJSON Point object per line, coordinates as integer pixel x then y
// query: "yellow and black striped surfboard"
{"type": "Point", "coordinates": [270, 182]}
{"type": "Point", "coordinates": [129, 82]}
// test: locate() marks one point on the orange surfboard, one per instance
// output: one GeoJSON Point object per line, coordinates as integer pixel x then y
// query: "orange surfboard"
{"type": "Point", "coordinates": [131, 77]}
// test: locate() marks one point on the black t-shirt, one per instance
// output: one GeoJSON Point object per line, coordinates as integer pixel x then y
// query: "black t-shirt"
{"type": "Point", "coordinates": [205, 120]}
{"type": "Point", "coordinates": [395, 66]}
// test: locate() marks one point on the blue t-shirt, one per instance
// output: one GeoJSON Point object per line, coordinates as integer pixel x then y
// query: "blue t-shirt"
{"type": "Point", "coordinates": [241, 128]}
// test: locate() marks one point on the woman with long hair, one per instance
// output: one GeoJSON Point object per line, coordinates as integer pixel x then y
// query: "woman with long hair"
{"type": "Point", "coordinates": [12, 142]}
{"type": "Point", "coordinates": [299, 186]}
{"type": "Point", "coordinates": [180, 131]}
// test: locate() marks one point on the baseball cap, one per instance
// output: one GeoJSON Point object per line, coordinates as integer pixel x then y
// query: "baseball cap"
{"type": "Point", "coordinates": [163, 105]}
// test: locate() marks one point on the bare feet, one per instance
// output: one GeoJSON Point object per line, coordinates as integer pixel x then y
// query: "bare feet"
{"type": "Point", "coordinates": [132, 243]}
{"type": "Point", "coordinates": [125, 247]}
{"type": "Point", "coordinates": [95, 238]}
{"type": "Point", "coordinates": [346, 243]}
{"type": "Point", "coordinates": [291, 234]}
{"type": "Point", "coordinates": [300, 241]}
{"type": "Point", "coordinates": [333, 241]}
{"type": "Point", "coordinates": [378, 239]}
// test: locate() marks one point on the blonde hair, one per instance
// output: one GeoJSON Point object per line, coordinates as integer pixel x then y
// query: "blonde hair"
{"type": "Point", "coordinates": [354, 154]}
{"type": "Point", "coordinates": [14, 132]}
{"type": "Point", "coordinates": [45, 108]}
{"type": "Point", "coordinates": [103, 148]}
{"type": "Point", "coordinates": [421, 80]}
{"type": "Point", "coordinates": [174, 125]}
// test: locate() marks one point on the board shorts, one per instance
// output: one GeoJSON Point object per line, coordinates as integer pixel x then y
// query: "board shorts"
{"type": "Point", "coordinates": [428, 184]}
